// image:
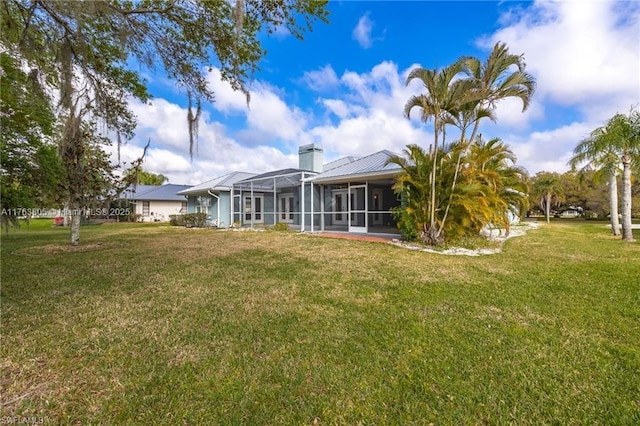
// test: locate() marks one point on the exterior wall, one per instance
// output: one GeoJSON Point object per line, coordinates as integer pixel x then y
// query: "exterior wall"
{"type": "Point", "coordinates": [224, 221]}
{"type": "Point", "coordinates": [159, 211]}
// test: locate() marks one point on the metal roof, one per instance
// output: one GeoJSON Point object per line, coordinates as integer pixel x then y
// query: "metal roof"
{"type": "Point", "coordinates": [275, 173]}
{"type": "Point", "coordinates": [370, 165]}
{"type": "Point", "coordinates": [337, 163]}
{"type": "Point", "coordinates": [168, 192]}
{"type": "Point", "coordinates": [221, 183]}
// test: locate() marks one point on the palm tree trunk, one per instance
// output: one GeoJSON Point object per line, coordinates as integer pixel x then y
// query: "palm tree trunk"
{"type": "Point", "coordinates": [613, 203]}
{"type": "Point", "coordinates": [627, 233]}
{"type": "Point", "coordinates": [547, 206]}
{"type": "Point", "coordinates": [432, 207]}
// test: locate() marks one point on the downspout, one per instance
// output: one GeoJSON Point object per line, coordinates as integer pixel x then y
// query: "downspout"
{"type": "Point", "coordinates": [218, 203]}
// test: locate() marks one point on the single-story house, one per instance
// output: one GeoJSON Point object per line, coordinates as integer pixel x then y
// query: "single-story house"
{"type": "Point", "coordinates": [155, 203]}
{"type": "Point", "coordinates": [349, 194]}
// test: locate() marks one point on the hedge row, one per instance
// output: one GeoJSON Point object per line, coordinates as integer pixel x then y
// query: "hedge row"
{"type": "Point", "coordinates": [189, 220]}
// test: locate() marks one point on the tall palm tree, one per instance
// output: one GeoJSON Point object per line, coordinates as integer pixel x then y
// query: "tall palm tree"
{"type": "Point", "coordinates": [625, 131]}
{"type": "Point", "coordinates": [596, 152]}
{"type": "Point", "coordinates": [614, 144]}
{"type": "Point", "coordinates": [491, 81]}
{"type": "Point", "coordinates": [495, 80]}
{"type": "Point", "coordinates": [438, 103]}
{"type": "Point", "coordinates": [548, 190]}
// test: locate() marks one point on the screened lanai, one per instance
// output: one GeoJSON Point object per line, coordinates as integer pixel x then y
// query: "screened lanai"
{"type": "Point", "coordinates": [280, 196]}
{"type": "Point", "coordinates": [356, 197]}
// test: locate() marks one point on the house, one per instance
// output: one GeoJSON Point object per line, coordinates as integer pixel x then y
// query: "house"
{"type": "Point", "coordinates": [349, 194]}
{"type": "Point", "coordinates": [157, 203]}
{"type": "Point", "coordinates": [214, 198]}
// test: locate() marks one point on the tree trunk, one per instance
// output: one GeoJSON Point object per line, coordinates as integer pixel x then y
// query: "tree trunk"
{"type": "Point", "coordinates": [627, 233]}
{"type": "Point", "coordinates": [613, 203]}
{"type": "Point", "coordinates": [75, 228]}
{"type": "Point", "coordinates": [547, 206]}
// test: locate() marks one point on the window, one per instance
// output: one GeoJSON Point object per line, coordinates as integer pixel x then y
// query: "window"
{"type": "Point", "coordinates": [145, 208]}
{"type": "Point", "coordinates": [202, 204]}
{"type": "Point", "coordinates": [183, 207]}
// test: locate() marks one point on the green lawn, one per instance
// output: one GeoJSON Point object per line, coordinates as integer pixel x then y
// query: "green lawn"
{"type": "Point", "coordinates": [158, 325]}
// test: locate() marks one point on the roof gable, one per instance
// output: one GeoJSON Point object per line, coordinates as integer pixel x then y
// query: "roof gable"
{"type": "Point", "coordinates": [371, 164]}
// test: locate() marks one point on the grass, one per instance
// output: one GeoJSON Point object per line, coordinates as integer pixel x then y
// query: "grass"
{"type": "Point", "coordinates": [158, 325]}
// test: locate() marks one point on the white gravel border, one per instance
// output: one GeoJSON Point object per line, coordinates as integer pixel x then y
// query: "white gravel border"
{"type": "Point", "coordinates": [515, 231]}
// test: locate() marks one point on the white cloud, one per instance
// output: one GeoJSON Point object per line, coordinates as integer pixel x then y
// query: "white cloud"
{"type": "Point", "coordinates": [271, 115]}
{"type": "Point", "coordinates": [321, 80]}
{"type": "Point", "coordinates": [548, 150]}
{"type": "Point", "coordinates": [226, 98]}
{"type": "Point", "coordinates": [583, 54]}
{"type": "Point", "coordinates": [267, 112]}
{"type": "Point", "coordinates": [362, 32]}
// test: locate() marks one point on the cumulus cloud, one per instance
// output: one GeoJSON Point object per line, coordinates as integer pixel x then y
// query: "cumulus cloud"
{"type": "Point", "coordinates": [267, 112]}
{"type": "Point", "coordinates": [362, 32]}
{"type": "Point", "coordinates": [321, 80]}
{"type": "Point", "coordinates": [549, 150]}
{"type": "Point", "coordinates": [583, 54]}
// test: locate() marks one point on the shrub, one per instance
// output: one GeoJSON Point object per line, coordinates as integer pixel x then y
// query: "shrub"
{"type": "Point", "coordinates": [280, 226]}
{"type": "Point", "coordinates": [195, 220]}
{"type": "Point", "coordinates": [176, 219]}
{"type": "Point", "coordinates": [190, 220]}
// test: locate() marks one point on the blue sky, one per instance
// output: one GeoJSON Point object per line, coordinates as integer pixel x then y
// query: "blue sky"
{"type": "Point", "coordinates": [343, 86]}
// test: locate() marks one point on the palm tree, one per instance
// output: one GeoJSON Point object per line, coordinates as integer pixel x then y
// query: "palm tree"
{"type": "Point", "coordinates": [615, 143]}
{"type": "Point", "coordinates": [597, 153]}
{"type": "Point", "coordinates": [625, 131]}
{"type": "Point", "coordinates": [548, 190]}
{"type": "Point", "coordinates": [491, 166]}
{"type": "Point", "coordinates": [439, 102]}
{"type": "Point", "coordinates": [494, 81]}
{"type": "Point", "coordinates": [490, 186]}
{"type": "Point", "coordinates": [491, 81]}
{"type": "Point", "coordinates": [413, 185]}
{"type": "Point", "coordinates": [462, 103]}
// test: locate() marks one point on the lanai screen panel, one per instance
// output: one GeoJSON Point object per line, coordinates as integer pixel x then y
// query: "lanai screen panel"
{"type": "Point", "coordinates": [270, 198]}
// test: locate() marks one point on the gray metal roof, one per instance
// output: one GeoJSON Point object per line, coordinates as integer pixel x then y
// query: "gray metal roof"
{"type": "Point", "coordinates": [168, 192]}
{"type": "Point", "coordinates": [275, 173]}
{"type": "Point", "coordinates": [221, 183]}
{"type": "Point", "coordinates": [337, 163]}
{"type": "Point", "coordinates": [370, 165]}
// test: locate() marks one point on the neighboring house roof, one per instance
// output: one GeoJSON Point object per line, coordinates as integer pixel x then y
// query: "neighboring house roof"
{"type": "Point", "coordinates": [131, 191]}
{"type": "Point", "coordinates": [337, 163]}
{"type": "Point", "coordinates": [372, 165]}
{"type": "Point", "coordinates": [168, 192]}
{"type": "Point", "coordinates": [221, 183]}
